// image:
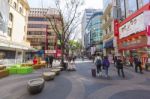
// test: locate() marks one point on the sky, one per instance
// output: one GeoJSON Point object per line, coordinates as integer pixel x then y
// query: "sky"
{"type": "Point", "coordinates": [97, 4]}
{"type": "Point", "coordinates": [49, 3]}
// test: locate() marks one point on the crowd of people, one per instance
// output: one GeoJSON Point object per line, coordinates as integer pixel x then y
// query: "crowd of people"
{"type": "Point", "coordinates": [103, 63]}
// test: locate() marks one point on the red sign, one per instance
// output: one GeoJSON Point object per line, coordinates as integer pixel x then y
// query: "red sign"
{"type": "Point", "coordinates": [58, 53]}
{"type": "Point", "coordinates": [116, 28]}
{"type": "Point", "coordinates": [148, 30]}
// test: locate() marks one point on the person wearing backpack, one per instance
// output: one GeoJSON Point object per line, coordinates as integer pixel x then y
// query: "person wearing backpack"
{"type": "Point", "coordinates": [106, 65]}
{"type": "Point", "coordinates": [98, 64]}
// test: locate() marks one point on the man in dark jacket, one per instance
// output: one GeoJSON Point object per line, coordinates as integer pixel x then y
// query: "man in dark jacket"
{"type": "Point", "coordinates": [119, 66]}
{"type": "Point", "coordinates": [138, 64]}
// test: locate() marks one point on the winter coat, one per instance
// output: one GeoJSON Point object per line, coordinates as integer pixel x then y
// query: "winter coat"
{"type": "Point", "coordinates": [106, 63]}
{"type": "Point", "coordinates": [119, 64]}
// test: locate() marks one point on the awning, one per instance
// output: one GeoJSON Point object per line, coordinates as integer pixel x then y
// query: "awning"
{"type": "Point", "coordinates": [109, 44]}
{"type": "Point", "coordinates": [13, 45]}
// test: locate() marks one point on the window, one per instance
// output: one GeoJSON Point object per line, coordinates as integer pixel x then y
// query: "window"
{"type": "Point", "coordinates": [132, 6]}
{"type": "Point", "coordinates": [146, 1]}
{"type": "Point", "coordinates": [10, 32]}
{"type": "Point", "coordinates": [20, 10]}
{"type": "Point", "coordinates": [15, 5]}
{"type": "Point", "coordinates": [36, 19]}
{"type": "Point", "coordinates": [123, 11]}
{"type": "Point", "coordinates": [11, 17]}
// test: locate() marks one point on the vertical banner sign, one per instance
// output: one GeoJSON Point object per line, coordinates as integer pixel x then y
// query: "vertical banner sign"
{"type": "Point", "coordinates": [116, 28]}
{"type": "Point", "coordinates": [148, 33]}
{"type": "Point", "coordinates": [4, 16]}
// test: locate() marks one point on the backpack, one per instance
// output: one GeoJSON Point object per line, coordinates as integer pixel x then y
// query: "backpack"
{"type": "Point", "coordinates": [98, 62]}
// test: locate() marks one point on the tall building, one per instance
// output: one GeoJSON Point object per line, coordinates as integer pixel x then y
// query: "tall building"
{"type": "Point", "coordinates": [111, 13]}
{"type": "Point", "coordinates": [13, 29]}
{"type": "Point", "coordinates": [40, 32]}
{"type": "Point", "coordinates": [85, 19]}
{"type": "Point", "coordinates": [134, 29]}
{"type": "Point", "coordinates": [93, 37]}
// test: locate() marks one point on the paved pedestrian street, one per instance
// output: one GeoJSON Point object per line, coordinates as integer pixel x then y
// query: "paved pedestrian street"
{"type": "Point", "coordinates": [80, 85]}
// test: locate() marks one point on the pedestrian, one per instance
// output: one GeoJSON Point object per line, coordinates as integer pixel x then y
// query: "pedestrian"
{"type": "Point", "coordinates": [106, 65]}
{"type": "Point", "coordinates": [51, 58]}
{"type": "Point", "coordinates": [119, 66]}
{"type": "Point", "coordinates": [73, 59]}
{"type": "Point", "coordinates": [47, 61]}
{"type": "Point", "coordinates": [35, 61]}
{"type": "Point", "coordinates": [138, 64]}
{"type": "Point", "coordinates": [98, 63]}
{"type": "Point", "coordinates": [131, 61]}
{"type": "Point", "coordinates": [115, 60]}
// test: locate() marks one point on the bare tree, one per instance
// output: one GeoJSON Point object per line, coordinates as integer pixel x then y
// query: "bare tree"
{"type": "Point", "coordinates": [68, 15]}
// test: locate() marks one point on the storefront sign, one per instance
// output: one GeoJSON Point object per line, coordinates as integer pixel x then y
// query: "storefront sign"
{"type": "Point", "coordinates": [50, 51]}
{"type": "Point", "coordinates": [4, 13]}
{"type": "Point", "coordinates": [116, 28]}
{"type": "Point", "coordinates": [134, 43]}
{"type": "Point", "coordinates": [147, 18]}
{"type": "Point", "coordinates": [132, 27]}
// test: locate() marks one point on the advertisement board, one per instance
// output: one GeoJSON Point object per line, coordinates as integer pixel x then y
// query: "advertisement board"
{"type": "Point", "coordinates": [4, 17]}
{"type": "Point", "coordinates": [132, 27]}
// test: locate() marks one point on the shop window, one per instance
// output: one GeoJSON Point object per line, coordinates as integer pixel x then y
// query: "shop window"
{"type": "Point", "coordinates": [15, 5]}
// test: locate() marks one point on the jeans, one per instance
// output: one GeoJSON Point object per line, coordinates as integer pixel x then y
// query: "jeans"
{"type": "Point", "coordinates": [121, 69]}
{"type": "Point", "coordinates": [106, 72]}
{"type": "Point", "coordinates": [98, 69]}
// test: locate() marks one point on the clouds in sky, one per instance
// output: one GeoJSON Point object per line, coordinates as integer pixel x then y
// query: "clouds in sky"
{"type": "Point", "coordinates": [49, 3]}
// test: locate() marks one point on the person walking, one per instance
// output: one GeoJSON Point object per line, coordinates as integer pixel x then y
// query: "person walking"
{"type": "Point", "coordinates": [51, 58]}
{"type": "Point", "coordinates": [131, 61]}
{"type": "Point", "coordinates": [106, 65]}
{"type": "Point", "coordinates": [119, 66]}
{"type": "Point", "coordinates": [98, 63]}
{"type": "Point", "coordinates": [138, 64]}
{"type": "Point", "coordinates": [115, 60]}
{"type": "Point", "coordinates": [35, 61]}
{"type": "Point", "coordinates": [47, 61]}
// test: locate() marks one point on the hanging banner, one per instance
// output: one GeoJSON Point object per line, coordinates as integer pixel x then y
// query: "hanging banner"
{"type": "Point", "coordinates": [4, 16]}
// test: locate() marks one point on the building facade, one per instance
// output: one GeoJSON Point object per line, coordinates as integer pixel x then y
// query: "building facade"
{"type": "Point", "coordinates": [134, 30]}
{"type": "Point", "coordinates": [109, 40]}
{"type": "Point", "coordinates": [85, 19]}
{"type": "Point", "coordinates": [40, 32]}
{"type": "Point", "coordinates": [13, 43]}
{"type": "Point", "coordinates": [94, 32]}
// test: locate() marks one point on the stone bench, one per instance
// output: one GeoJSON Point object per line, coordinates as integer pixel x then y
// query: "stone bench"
{"type": "Point", "coordinates": [35, 85]}
{"type": "Point", "coordinates": [49, 76]}
{"type": "Point", "coordinates": [58, 67]}
{"type": "Point", "coordinates": [57, 71]}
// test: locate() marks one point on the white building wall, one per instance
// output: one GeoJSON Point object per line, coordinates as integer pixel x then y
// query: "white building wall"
{"type": "Point", "coordinates": [18, 26]}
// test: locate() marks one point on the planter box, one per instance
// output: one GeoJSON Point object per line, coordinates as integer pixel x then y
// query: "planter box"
{"type": "Point", "coordinates": [12, 70]}
{"type": "Point", "coordinates": [24, 70]}
{"type": "Point", "coordinates": [4, 73]}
